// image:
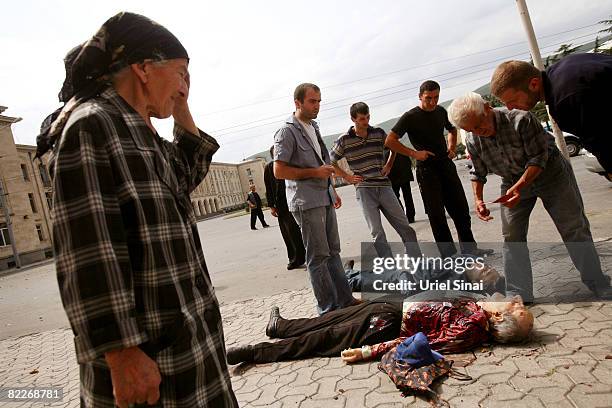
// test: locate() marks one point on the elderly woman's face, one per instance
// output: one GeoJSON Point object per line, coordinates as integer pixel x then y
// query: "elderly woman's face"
{"type": "Point", "coordinates": [167, 87]}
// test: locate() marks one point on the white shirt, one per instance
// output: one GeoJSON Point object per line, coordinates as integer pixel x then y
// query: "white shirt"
{"type": "Point", "coordinates": [312, 134]}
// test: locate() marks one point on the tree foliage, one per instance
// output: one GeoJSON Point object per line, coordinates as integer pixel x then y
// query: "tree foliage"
{"type": "Point", "coordinates": [607, 30]}
{"type": "Point", "coordinates": [540, 111]}
{"type": "Point", "coordinates": [493, 101]}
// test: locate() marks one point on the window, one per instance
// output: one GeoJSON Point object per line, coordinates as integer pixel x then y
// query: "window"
{"type": "Point", "coordinates": [4, 235]}
{"type": "Point", "coordinates": [44, 175]}
{"type": "Point", "coordinates": [49, 197]}
{"type": "Point", "coordinates": [249, 173]}
{"type": "Point", "coordinates": [32, 203]}
{"type": "Point", "coordinates": [24, 171]}
{"type": "Point", "coordinates": [40, 233]}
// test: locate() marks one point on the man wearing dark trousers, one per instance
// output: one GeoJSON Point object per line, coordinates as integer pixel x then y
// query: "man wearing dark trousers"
{"type": "Point", "coordinates": [254, 202]}
{"type": "Point", "coordinates": [437, 175]}
{"type": "Point", "coordinates": [401, 176]}
{"type": "Point", "coordinates": [277, 201]}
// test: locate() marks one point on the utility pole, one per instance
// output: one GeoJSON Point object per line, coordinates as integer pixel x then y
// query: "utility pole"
{"type": "Point", "coordinates": [9, 224]}
{"type": "Point", "coordinates": [537, 61]}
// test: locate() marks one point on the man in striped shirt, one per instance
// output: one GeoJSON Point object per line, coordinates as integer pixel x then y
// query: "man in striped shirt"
{"type": "Point", "coordinates": [363, 148]}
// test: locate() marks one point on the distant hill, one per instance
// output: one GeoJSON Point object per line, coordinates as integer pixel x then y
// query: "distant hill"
{"type": "Point", "coordinates": [388, 124]}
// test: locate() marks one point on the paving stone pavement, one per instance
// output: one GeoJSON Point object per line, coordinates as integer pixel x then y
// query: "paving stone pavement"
{"type": "Point", "coordinates": [567, 362]}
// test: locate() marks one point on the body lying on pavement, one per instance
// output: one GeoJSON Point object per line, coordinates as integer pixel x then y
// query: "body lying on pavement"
{"type": "Point", "coordinates": [451, 325]}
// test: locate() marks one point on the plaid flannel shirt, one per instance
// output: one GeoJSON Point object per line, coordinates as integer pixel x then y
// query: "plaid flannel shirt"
{"type": "Point", "coordinates": [129, 262]}
{"type": "Point", "coordinates": [520, 141]}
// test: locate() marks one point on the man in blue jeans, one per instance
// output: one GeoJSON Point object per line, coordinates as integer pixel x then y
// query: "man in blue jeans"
{"type": "Point", "coordinates": [513, 145]}
{"type": "Point", "coordinates": [302, 160]}
{"type": "Point", "coordinates": [363, 148]}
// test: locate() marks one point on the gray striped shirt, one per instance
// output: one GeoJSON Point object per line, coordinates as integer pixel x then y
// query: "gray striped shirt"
{"type": "Point", "coordinates": [365, 156]}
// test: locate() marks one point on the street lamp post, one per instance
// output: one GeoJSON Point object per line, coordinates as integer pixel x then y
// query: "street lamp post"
{"type": "Point", "coordinates": [537, 61]}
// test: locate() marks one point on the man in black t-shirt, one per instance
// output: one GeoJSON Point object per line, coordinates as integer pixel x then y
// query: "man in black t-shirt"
{"type": "Point", "coordinates": [436, 173]}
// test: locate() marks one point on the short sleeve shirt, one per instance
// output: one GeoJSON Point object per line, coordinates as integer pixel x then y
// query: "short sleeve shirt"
{"type": "Point", "coordinates": [425, 130]}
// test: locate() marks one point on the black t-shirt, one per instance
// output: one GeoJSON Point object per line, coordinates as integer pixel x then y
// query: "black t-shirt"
{"type": "Point", "coordinates": [425, 130]}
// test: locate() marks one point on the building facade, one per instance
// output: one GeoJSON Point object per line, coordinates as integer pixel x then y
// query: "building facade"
{"type": "Point", "coordinates": [25, 189]}
{"type": "Point", "coordinates": [226, 186]}
{"type": "Point", "coordinates": [26, 197]}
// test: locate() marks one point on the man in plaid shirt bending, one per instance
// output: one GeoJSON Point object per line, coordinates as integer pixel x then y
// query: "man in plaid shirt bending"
{"type": "Point", "coordinates": [513, 145]}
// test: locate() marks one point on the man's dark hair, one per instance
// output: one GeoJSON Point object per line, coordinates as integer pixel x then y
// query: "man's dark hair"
{"type": "Point", "coordinates": [359, 108]}
{"type": "Point", "coordinates": [300, 91]}
{"type": "Point", "coordinates": [272, 152]}
{"type": "Point", "coordinates": [429, 86]}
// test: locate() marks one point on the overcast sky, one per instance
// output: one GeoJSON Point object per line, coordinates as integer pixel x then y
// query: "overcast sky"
{"type": "Point", "coordinates": [248, 56]}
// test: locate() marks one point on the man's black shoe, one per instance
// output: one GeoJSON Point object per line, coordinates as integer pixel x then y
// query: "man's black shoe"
{"type": "Point", "coordinates": [603, 292]}
{"type": "Point", "coordinates": [410, 220]}
{"type": "Point", "coordinates": [266, 226]}
{"type": "Point", "coordinates": [254, 229]}
{"type": "Point", "coordinates": [273, 322]}
{"type": "Point", "coordinates": [240, 354]}
{"type": "Point", "coordinates": [295, 265]}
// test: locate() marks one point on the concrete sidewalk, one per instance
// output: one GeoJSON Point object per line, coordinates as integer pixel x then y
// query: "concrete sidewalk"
{"type": "Point", "coordinates": [566, 363]}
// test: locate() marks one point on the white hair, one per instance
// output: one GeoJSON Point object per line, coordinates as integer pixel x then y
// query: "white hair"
{"type": "Point", "coordinates": [464, 106]}
{"type": "Point", "coordinates": [506, 330]}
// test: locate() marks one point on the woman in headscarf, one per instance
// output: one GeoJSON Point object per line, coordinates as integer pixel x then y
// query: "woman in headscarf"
{"type": "Point", "coordinates": [129, 262]}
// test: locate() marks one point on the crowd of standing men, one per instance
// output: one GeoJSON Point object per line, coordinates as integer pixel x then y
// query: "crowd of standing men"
{"type": "Point", "coordinates": [130, 266]}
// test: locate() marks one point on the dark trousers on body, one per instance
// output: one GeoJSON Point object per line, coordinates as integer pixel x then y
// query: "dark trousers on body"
{"type": "Point", "coordinates": [408, 202]}
{"type": "Point", "coordinates": [292, 236]}
{"type": "Point", "coordinates": [441, 190]}
{"type": "Point", "coordinates": [327, 335]}
{"type": "Point", "coordinates": [257, 213]}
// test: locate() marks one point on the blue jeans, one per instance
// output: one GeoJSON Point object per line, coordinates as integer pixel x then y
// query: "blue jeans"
{"type": "Point", "coordinates": [557, 188]}
{"type": "Point", "coordinates": [377, 200]}
{"type": "Point", "coordinates": [322, 242]}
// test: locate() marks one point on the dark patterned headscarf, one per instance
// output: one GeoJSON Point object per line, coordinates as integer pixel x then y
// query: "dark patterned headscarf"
{"type": "Point", "coordinates": [124, 39]}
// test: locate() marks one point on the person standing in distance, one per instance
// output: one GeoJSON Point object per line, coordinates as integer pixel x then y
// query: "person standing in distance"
{"type": "Point", "coordinates": [254, 202]}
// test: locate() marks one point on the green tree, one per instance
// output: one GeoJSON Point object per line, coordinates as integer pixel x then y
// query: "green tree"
{"type": "Point", "coordinates": [606, 30]}
{"type": "Point", "coordinates": [460, 150]}
{"type": "Point", "coordinates": [492, 100]}
{"type": "Point", "coordinates": [566, 49]}
{"type": "Point", "coordinates": [540, 111]}
{"type": "Point", "coordinates": [608, 23]}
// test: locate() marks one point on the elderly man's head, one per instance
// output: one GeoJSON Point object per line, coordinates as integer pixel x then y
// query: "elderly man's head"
{"type": "Point", "coordinates": [518, 84]}
{"type": "Point", "coordinates": [471, 113]}
{"type": "Point", "coordinates": [509, 319]}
